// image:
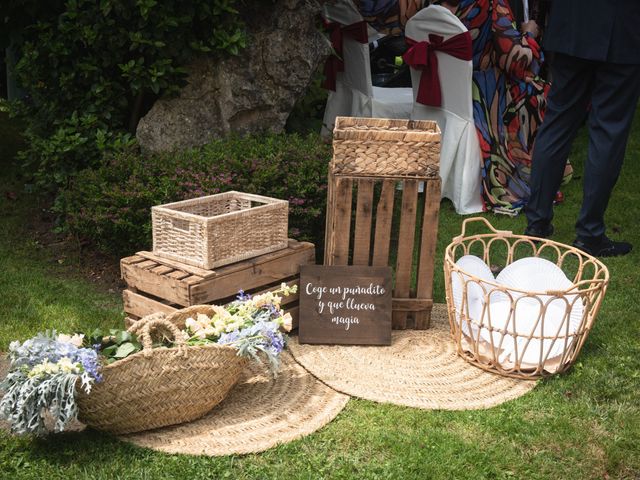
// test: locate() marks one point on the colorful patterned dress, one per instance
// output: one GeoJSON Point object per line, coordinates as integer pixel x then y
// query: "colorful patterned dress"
{"type": "Point", "coordinates": [508, 101]}
{"type": "Point", "coordinates": [388, 16]}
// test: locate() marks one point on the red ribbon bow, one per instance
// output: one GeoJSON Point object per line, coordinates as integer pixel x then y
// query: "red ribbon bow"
{"type": "Point", "coordinates": [422, 56]}
{"type": "Point", "coordinates": [335, 63]}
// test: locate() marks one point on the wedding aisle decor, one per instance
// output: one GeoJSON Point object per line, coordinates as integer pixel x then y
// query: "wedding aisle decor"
{"type": "Point", "coordinates": [162, 371]}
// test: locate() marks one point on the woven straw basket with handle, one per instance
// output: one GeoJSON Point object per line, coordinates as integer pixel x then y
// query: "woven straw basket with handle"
{"type": "Point", "coordinates": [161, 386]}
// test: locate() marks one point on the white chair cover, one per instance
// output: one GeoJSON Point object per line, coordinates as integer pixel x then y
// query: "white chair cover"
{"type": "Point", "coordinates": [460, 156]}
{"type": "Point", "coordinates": [355, 96]}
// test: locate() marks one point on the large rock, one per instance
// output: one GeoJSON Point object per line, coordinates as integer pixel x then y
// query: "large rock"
{"type": "Point", "coordinates": [254, 91]}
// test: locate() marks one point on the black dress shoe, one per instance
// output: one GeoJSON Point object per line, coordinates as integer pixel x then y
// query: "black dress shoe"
{"type": "Point", "coordinates": [542, 231]}
{"type": "Point", "coordinates": [603, 247]}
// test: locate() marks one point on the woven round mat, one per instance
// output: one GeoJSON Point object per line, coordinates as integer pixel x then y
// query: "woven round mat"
{"type": "Point", "coordinates": [420, 369]}
{"type": "Point", "coordinates": [258, 414]}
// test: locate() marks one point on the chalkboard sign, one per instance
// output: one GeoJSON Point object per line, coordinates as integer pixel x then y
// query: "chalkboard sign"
{"type": "Point", "coordinates": [345, 305]}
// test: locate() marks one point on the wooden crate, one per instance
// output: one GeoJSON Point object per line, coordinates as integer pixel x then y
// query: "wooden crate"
{"type": "Point", "coordinates": [370, 154]}
{"type": "Point", "coordinates": [156, 284]}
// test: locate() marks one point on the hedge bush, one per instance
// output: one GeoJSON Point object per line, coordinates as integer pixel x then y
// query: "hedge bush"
{"type": "Point", "coordinates": [92, 69]}
{"type": "Point", "coordinates": [110, 205]}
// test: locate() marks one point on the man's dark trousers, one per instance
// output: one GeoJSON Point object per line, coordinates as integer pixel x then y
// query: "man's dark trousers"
{"type": "Point", "coordinates": [606, 94]}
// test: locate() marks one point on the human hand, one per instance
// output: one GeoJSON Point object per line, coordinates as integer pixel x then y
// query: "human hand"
{"type": "Point", "coordinates": [531, 27]}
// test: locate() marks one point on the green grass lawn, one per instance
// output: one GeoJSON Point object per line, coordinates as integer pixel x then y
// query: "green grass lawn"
{"type": "Point", "coordinates": [580, 425]}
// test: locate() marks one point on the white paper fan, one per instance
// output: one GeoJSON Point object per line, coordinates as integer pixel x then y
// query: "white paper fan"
{"type": "Point", "coordinates": [470, 265]}
{"type": "Point", "coordinates": [534, 274]}
{"type": "Point", "coordinates": [508, 329]}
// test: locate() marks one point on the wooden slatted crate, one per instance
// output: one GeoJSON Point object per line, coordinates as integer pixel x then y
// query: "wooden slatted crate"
{"type": "Point", "coordinates": [374, 161]}
{"type": "Point", "coordinates": [156, 284]}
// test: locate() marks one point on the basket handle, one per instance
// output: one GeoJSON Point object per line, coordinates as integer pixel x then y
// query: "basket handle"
{"type": "Point", "coordinates": [482, 220]}
{"type": "Point", "coordinates": [144, 327]}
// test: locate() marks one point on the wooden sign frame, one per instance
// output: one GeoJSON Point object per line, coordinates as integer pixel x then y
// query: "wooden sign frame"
{"type": "Point", "coordinates": [349, 305]}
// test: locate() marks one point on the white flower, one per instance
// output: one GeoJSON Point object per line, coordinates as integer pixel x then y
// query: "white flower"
{"type": "Point", "coordinates": [202, 334]}
{"type": "Point", "coordinates": [287, 290]}
{"type": "Point", "coordinates": [203, 320]}
{"type": "Point", "coordinates": [192, 325]}
{"type": "Point", "coordinates": [72, 339]}
{"type": "Point", "coordinates": [287, 322]}
{"type": "Point", "coordinates": [65, 365]}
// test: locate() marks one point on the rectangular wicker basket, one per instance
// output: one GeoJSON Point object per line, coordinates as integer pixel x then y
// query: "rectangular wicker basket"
{"type": "Point", "coordinates": [216, 230]}
{"type": "Point", "coordinates": [386, 148]}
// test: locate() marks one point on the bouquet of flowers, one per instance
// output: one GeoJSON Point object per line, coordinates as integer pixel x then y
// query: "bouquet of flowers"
{"type": "Point", "coordinates": [47, 369]}
{"type": "Point", "coordinates": [43, 377]}
{"type": "Point", "coordinates": [251, 324]}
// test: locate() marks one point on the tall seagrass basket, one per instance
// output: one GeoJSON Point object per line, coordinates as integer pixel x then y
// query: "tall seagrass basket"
{"type": "Point", "coordinates": [160, 386]}
{"type": "Point", "coordinates": [541, 344]}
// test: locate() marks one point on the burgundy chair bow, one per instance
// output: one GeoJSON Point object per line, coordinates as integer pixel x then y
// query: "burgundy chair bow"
{"type": "Point", "coordinates": [335, 63]}
{"type": "Point", "coordinates": [422, 56]}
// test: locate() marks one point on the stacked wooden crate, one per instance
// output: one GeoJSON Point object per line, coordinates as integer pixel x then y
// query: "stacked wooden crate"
{"type": "Point", "coordinates": [157, 284]}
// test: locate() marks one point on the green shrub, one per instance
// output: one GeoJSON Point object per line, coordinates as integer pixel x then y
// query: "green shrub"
{"type": "Point", "coordinates": [92, 69]}
{"type": "Point", "coordinates": [110, 205]}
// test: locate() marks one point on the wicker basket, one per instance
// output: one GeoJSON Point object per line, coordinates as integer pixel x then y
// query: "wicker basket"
{"type": "Point", "coordinates": [160, 386]}
{"type": "Point", "coordinates": [520, 347]}
{"type": "Point", "coordinates": [386, 148]}
{"type": "Point", "coordinates": [216, 230]}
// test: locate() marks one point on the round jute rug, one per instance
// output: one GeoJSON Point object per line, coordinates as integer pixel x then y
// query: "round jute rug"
{"type": "Point", "coordinates": [258, 414]}
{"type": "Point", "coordinates": [420, 369]}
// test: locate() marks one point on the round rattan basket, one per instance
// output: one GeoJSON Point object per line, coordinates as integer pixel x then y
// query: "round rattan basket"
{"type": "Point", "coordinates": [157, 387]}
{"type": "Point", "coordinates": [512, 331]}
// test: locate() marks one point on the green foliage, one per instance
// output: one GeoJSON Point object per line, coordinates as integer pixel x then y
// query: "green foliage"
{"type": "Point", "coordinates": [115, 344]}
{"type": "Point", "coordinates": [92, 68]}
{"type": "Point", "coordinates": [110, 205]}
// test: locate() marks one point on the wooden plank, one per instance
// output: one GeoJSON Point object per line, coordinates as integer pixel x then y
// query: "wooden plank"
{"type": "Point", "coordinates": [253, 275]}
{"type": "Point", "coordinates": [162, 270]}
{"type": "Point", "coordinates": [406, 239]}
{"type": "Point", "coordinates": [426, 263]}
{"type": "Point", "coordinates": [192, 279]}
{"type": "Point", "coordinates": [341, 234]}
{"type": "Point", "coordinates": [329, 218]}
{"type": "Point", "coordinates": [257, 262]}
{"type": "Point", "coordinates": [201, 272]}
{"type": "Point", "coordinates": [130, 260]}
{"type": "Point", "coordinates": [178, 274]}
{"type": "Point", "coordinates": [411, 304]}
{"type": "Point", "coordinates": [362, 235]}
{"type": "Point", "coordinates": [147, 264]}
{"type": "Point", "coordinates": [141, 305]}
{"type": "Point", "coordinates": [162, 286]}
{"type": "Point", "coordinates": [384, 219]}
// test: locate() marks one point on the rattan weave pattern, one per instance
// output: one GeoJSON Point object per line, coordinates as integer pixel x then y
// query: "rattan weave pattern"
{"type": "Point", "coordinates": [420, 369]}
{"type": "Point", "coordinates": [386, 148]}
